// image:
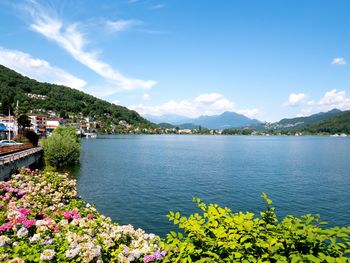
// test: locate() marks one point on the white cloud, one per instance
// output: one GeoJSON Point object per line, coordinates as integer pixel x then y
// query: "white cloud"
{"type": "Point", "coordinates": [332, 99]}
{"type": "Point", "coordinates": [335, 99]}
{"type": "Point", "coordinates": [146, 96]}
{"type": "Point", "coordinates": [122, 25]}
{"type": "Point", "coordinates": [208, 98]}
{"type": "Point", "coordinates": [250, 113]}
{"type": "Point", "coordinates": [38, 69]}
{"type": "Point", "coordinates": [295, 99]}
{"type": "Point", "coordinates": [338, 61]}
{"type": "Point", "coordinates": [74, 42]}
{"type": "Point", "coordinates": [204, 104]}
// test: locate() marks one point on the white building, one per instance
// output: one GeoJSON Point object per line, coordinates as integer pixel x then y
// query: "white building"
{"type": "Point", "coordinates": [10, 124]}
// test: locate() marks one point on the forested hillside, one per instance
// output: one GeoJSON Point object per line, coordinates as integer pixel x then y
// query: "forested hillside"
{"type": "Point", "coordinates": [36, 96]}
{"type": "Point", "coordinates": [336, 124]}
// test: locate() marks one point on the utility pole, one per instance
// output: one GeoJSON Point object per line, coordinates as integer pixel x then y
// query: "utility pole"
{"type": "Point", "coordinates": [15, 127]}
{"type": "Point", "coordinates": [9, 125]}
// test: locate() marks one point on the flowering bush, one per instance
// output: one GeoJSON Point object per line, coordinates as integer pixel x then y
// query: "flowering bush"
{"type": "Point", "coordinates": [43, 220]}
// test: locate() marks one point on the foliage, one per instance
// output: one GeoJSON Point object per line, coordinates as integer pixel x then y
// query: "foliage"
{"type": "Point", "coordinates": [62, 148]}
{"type": "Point", "coordinates": [60, 99]}
{"type": "Point", "coordinates": [219, 235]}
{"type": "Point", "coordinates": [32, 137]}
{"type": "Point", "coordinates": [42, 219]}
{"type": "Point", "coordinates": [237, 132]}
{"type": "Point", "coordinates": [23, 122]}
{"type": "Point", "coordinates": [337, 124]}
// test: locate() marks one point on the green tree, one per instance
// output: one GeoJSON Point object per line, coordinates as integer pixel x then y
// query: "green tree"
{"type": "Point", "coordinates": [62, 148]}
{"type": "Point", "coordinates": [32, 137]}
{"type": "Point", "coordinates": [23, 123]}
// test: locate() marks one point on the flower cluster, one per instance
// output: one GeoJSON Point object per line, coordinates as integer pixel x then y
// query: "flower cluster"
{"type": "Point", "coordinates": [43, 220]}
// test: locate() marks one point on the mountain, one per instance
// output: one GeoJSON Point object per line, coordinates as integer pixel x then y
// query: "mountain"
{"type": "Point", "coordinates": [224, 121]}
{"type": "Point", "coordinates": [43, 97]}
{"type": "Point", "coordinates": [219, 122]}
{"type": "Point", "coordinates": [301, 122]}
{"type": "Point", "coordinates": [167, 118]}
{"type": "Point", "coordinates": [335, 124]}
{"type": "Point", "coordinates": [166, 125]}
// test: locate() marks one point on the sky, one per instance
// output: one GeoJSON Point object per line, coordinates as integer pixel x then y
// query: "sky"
{"type": "Point", "coordinates": [266, 59]}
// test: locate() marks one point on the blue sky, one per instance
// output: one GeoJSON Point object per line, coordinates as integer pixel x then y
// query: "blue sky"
{"type": "Point", "coordinates": [267, 59]}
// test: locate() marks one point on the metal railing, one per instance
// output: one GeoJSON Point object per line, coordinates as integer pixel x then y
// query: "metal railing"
{"type": "Point", "coordinates": [18, 155]}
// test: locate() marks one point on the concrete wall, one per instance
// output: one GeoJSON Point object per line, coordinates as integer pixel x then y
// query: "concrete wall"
{"type": "Point", "coordinates": [9, 168]}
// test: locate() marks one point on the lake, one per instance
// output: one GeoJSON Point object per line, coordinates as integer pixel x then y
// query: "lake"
{"type": "Point", "coordinates": [138, 179]}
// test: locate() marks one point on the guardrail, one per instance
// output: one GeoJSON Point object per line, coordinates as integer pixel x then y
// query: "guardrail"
{"type": "Point", "coordinates": [18, 155]}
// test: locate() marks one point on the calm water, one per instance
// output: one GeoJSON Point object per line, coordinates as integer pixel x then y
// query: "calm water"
{"type": "Point", "coordinates": [139, 179]}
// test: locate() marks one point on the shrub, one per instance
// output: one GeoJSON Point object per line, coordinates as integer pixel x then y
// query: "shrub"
{"type": "Point", "coordinates": [219, 235]}
{"type": "Point", "coordinates": [62, 148]}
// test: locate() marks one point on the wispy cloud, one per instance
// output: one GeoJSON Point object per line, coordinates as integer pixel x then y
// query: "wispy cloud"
{"type": "Point", "coordinates": [122, 25]}
{"type": "Point", "coordinates": [338, 61]}
{"type": "Point", "coordinates": [158, 6]}
{"type": "Point", "coordinates": [204, 104]}
{"type": "Point", "coordinates": [69, 37]}
{"type": "Point", "coordinates": [38, 69]}
{"type": "Point", "coordinates": [146, 96]}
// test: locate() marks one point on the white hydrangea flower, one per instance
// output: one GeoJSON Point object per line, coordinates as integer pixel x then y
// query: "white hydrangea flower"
{"type": "Point", "coordinates": [3, 240]}
{"type": "Point", "coordinates": [72, 253]}
{"type": "Point", "coordinates": [47, 254]}
{"type": "Point", "coordinates": [22, 232]}
{"type": "Point", "coordinates": [34, 238]}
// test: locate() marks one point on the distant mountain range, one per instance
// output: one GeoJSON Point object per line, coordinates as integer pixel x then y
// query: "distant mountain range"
{"type": "Point", "coordinates": [167, 118]}
{"type": "Point", "coordinates": [223, 121]}
{"type": "Point", "coordinates": [299, 123]}
{"type": "Point", "coordinates": [333, 121]}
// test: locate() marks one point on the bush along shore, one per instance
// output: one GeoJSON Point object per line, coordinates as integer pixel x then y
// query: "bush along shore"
{"type": "Point", "coordinates": [43, 220]}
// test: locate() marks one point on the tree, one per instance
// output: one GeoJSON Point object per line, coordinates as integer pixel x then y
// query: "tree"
{"type": "Point", "coordinates": [62, 148]}
{"type": "Point", "coordinates": [23, 123]}
{"type": "Point", "coordinates": [32, 137]}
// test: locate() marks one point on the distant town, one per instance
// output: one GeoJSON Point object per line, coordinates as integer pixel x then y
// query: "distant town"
{"type": "Point", "coordinates": [43, 124]}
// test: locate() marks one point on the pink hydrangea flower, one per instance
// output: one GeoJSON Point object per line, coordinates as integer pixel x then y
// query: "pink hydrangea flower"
{"type": "Point", "coordinates": [7, 226]}
{"type": "Point", "coordinates": [69, 215]}
{"type": "Point", "coordinates": [29, 222]}
{"type": "Point", "coordinates": [24, 211]}
{"type": "Point", "coordinates": [90, 216]}
{"type": "Point", "coordinates": [149, 258]}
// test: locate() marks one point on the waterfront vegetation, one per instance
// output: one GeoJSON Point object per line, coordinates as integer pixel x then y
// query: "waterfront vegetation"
{"type": "Point", "coordinates": [62, 148]}
{"type": "Point", "coordinates": [220, 235]}
{"type": "Point", "coordinates": [42, 219]}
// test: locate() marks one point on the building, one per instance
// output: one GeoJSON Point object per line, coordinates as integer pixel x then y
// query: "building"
{"type": "Point", "coordinates": [10, 124]}
{"type": "Point", "coordinates": [52, 123]}
{"type": "Point", "coordinates": [39, 123]}
{"type": "Point", "coordinates": [185, 131]}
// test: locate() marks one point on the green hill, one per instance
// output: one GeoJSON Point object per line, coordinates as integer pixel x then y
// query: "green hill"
{"type": "Point", "coordinates": [43, 97]}
{"type": "Point", "coordinates": [336, 124]}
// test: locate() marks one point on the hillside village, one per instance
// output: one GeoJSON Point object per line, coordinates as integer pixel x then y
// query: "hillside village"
{"type": "Point", "coordinates": [44, 124]}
